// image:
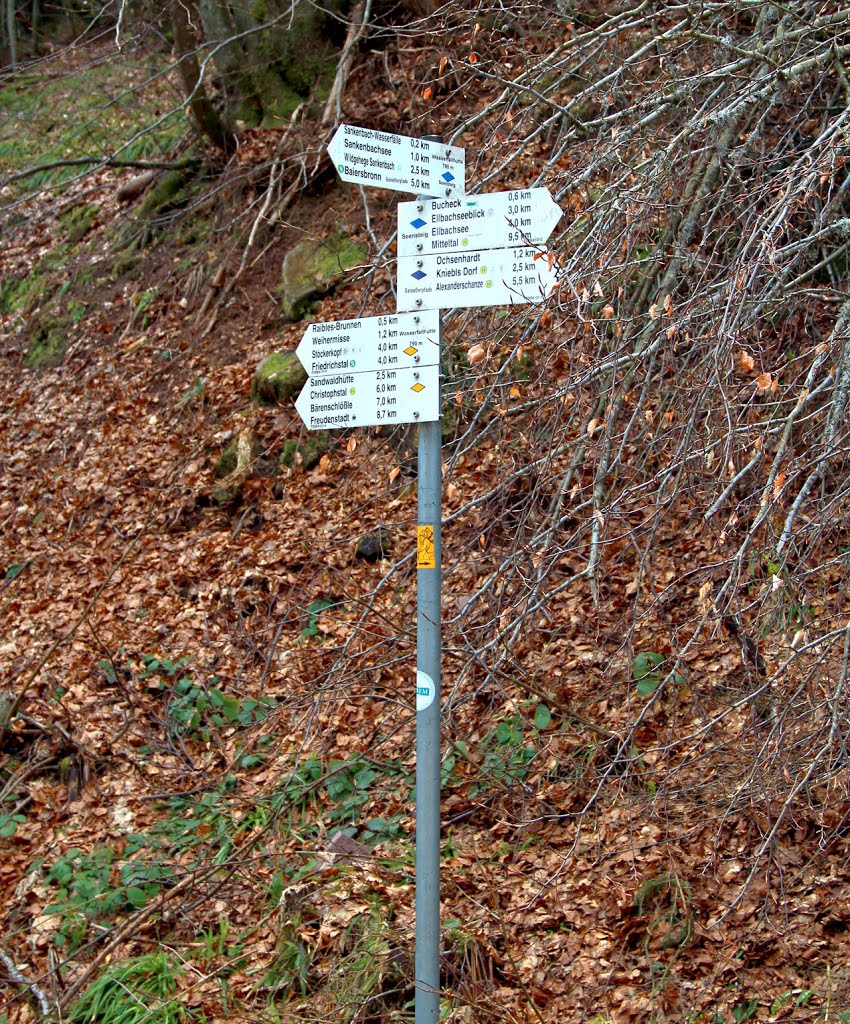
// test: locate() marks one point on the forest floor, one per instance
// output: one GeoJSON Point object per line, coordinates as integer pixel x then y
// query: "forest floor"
{"type": "Point", "coordinates": [212, 758]}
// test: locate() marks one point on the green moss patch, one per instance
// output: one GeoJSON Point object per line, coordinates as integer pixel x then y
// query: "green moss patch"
{"type": "Point", "coordinates": [306, 453]}
{"type": "Point", "coordinates": [313, 269]}
{"type": "Point", "coordinates": [48, 344]}
{"type": "Point", "coordinates": [78, 221]}
{"type": "Point", "coordinates": [113, 106]}
{"type": "Point", "coordinates": [279, 377]}
{"type": "Point", "coordinates": [170, 191]}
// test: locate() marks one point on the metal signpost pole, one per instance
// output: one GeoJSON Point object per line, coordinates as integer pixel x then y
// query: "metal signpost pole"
{"type": "Point", "coordinates": [385, 370]}
{"type": "Point", "coordinates": [428, 646]}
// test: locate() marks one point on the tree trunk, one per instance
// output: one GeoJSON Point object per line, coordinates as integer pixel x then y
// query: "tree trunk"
{"type": "Point", "coordinates": [10, 31]}
{"type": "Point", "coordinates": [218, 25]}
{"type": "Point", "coordinates": [206, 118]}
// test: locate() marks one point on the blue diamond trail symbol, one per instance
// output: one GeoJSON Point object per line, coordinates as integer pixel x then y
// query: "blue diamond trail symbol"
{"type": "Point", "coordinates": [418, 274]}
{"type": "Point", "coordinates": [418, 223]}
{"type": "Point", "coordinates": [447, 176]}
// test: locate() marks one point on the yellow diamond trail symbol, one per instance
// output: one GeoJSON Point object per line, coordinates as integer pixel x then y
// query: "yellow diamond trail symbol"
{"type": "Point", "coordinates": [410, 351]}
{"type": "Point", "coordinates": [418, 387]}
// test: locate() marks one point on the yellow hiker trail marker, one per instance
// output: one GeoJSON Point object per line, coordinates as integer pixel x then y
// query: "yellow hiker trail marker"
{"type": "Point", "coordinates": [425, 548]}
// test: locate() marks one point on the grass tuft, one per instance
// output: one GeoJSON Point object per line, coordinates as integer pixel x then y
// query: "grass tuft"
{"type": "Point", "coordinates": [137, 991]}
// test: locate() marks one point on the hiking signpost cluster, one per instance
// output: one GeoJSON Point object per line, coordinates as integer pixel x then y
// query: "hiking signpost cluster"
{"type": "Point", "coordinates": [453, 250]}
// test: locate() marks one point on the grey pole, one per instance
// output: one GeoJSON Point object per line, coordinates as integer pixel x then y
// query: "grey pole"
{"type": "Point", "coordinates": [428, 647]}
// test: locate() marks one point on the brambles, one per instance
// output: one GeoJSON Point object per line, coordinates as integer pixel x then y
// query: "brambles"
{"type": "Point", "coordinates": [194, 708]}
{"type": "Point", "coordinates": [90, 887]}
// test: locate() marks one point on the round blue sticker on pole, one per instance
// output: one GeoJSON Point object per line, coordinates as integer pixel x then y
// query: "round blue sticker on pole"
{"type": "Point", "coordinates": [426, 690]}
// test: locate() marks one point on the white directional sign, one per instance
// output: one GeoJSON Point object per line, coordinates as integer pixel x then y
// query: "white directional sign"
{"type": "Point", "coordinates": [484, 221]}
{"type": "Point", "coordinates": [487, 277]}
{"type": "Point", "coordinates": [371, 343]}
{"type": "Point", "coordinates": [370, 157]}
{"type": "Point", "coordinates": [405, 395]}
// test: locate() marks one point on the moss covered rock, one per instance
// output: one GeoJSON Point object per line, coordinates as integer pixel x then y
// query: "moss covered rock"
{"type": "Point", "coordinates": [291, 61]}
{"type": "Point", "coordinates": [306, 453]}
{"type": "Point", "coordinates": [279, 377]}
{"type": "Point", "coordinates": [313, 269]}
{"type": "Point", "coordinates": [234, 466]}
{"type": "Point", "coordinates": [228, 462]}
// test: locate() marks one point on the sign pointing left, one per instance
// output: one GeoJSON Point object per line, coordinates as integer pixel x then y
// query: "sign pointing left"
{"type": "Point", "coordinates": [372, 398]}
{"type": "Point", "coordinates": [371, 343]}
{"type": "Point", "coordinates": [371, 371]}
{"type": "Point", "coordinates": [399, 162]}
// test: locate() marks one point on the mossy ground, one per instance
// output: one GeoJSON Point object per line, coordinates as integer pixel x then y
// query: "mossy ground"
{"type": "Point", "coordinates": [48, 344]}
{"type": "Point", "coordinates": [117, 104]}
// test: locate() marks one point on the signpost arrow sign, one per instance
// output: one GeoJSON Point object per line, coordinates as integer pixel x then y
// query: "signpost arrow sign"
{"type": "Point", "coordinates": [487, 220]}
{"type": "Point", "coordinates": [405, 395]}
{"type": "Point", "coordinates": [486, 277]}
{"type": "Point", "coordinates": [384, 160]}
{"type": "Point", "coordinates": [371, 343]}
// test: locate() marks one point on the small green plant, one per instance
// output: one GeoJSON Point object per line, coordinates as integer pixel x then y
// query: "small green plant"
{"type": "Point", "coordinates": [154, 665]}
{"type": "Point", "coordinates": [449, 762]}
{"type": "Point", "coordinates": [82, 893]}
{"type": "Point", "coordinates": [800, 997]}
{"type": "Point", "coordinates": [647, 672]}
{"type": "Point", "coordinates": [542, 717]}
{"type": "Point", "coordinates": [9, 824]}
{"type": "Point", "coordinates": [744, 1009]}
{"type": "Point", "coordinates": [112, 669]}
{"type": "Point", "coordinates": [88, 888]}
{"type": "Point", "coordinates": [194, 708]}
{"type": "Point", "coordinates": [204, 823]}
{"type": "Point", "coordinates": [77, 311]}
{"type": "Point", "coordinates": [195, 390]}
{"type": "Point", "coordinates": [377, 830]}
{"type": "Point", "coordinates": [314, 609]}
{"type": "Point", "coordinates": [505, 755]}
{"type": "Point", "coordinates": [141, 303]}
{"type": "Point", "coordinates": [278, 884]}
{"type": "Point", "coordinates": [290, 970]}
{"type": "Point", "coordinates": [138, 991]}
{"type": "Point", "coordinates": [299, 788]}
{"type": "Point", "coordinates": [348, 787]}
{"type": "Point", "coordinates": [215, 944]}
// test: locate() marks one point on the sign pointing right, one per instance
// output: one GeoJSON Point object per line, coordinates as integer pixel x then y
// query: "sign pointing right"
{"type": "Point", "coordinates": [489, 220]}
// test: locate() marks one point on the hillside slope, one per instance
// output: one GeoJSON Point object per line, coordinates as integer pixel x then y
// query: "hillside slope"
{"type": "Point", "coordinates": [207, 756]}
